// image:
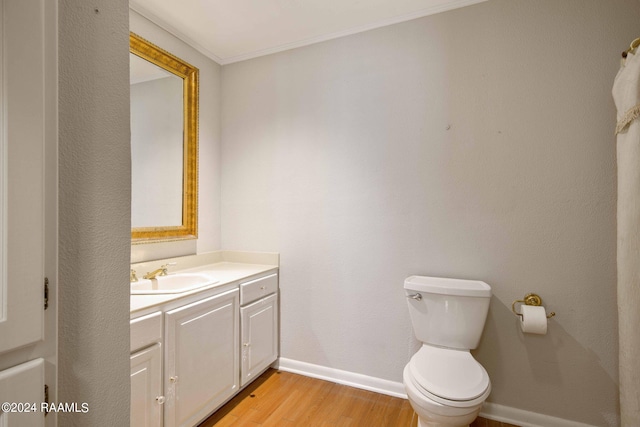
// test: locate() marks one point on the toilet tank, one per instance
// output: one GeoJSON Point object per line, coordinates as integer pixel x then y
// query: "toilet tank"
{"type": "Point", "coordinates": [450, 312]}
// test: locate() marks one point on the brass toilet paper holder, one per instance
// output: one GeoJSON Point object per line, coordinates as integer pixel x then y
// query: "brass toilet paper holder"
{"type": "Point", "coordinates": [530, 299]}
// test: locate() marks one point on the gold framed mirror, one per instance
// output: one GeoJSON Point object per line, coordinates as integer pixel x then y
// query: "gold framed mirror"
{"type": "Point", "coordinates": [164, 144]}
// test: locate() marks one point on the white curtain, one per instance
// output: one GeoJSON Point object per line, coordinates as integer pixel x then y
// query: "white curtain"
{"type": "Point", "coordinates": [626, 94]}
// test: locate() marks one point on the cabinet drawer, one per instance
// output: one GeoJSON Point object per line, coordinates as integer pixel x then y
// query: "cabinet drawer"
{"type": "Point", "coordinates": [146, 330]}
{"type": "Point", "coordinates": [256, 289]}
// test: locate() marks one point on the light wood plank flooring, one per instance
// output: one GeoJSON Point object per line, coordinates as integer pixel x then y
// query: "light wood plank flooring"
{"type": "Point", "coordinates": [283, 399]}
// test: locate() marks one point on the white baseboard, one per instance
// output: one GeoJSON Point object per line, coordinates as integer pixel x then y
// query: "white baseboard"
{"type": "Point", "coordinates": [520, 417]}
{"type": "Point", "coordinates": [351, 379]}
{"type": "Point", "coordinates": [491, 411]}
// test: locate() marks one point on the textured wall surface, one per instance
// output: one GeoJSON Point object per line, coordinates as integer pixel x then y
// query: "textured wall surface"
{"type": "Point", "coordinates": [477, 144]}
{"type": "Point", "coordinates": [209, 147]}
{"type": "Point", "coordinates": [94, 211]}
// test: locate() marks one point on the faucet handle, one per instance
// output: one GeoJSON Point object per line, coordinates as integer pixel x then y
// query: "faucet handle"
{"type": "Point", "coordinates": [132, 276]}
{"type": "Point", "coordinates": [165, 268]}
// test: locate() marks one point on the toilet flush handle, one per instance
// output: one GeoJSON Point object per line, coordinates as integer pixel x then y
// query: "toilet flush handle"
{"type": "Point", "coordinates": [415, 296]}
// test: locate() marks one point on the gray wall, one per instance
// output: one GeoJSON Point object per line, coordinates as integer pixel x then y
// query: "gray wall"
{"type": "Point", "coordinates": [94, 211]}
{"type": "Point", "coordinates": [475, 144]}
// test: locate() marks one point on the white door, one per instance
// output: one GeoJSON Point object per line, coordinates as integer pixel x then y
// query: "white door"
{"type": "Point", "coordinates": [146, 387]}
{"type": "Point", "coordinates": [22, 389]}
{"type": "Point", "coordinates": [22, 173]}
{"type": "Point", "coordinates": [27, 123]}
{"type": "Point", "coordinates": [201, 360]}
{"type": "Point", "coordinates": [259, 337]}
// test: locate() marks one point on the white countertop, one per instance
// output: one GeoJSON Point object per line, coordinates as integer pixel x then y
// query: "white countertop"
{"type": "Point", "coordinates": [226, 273]}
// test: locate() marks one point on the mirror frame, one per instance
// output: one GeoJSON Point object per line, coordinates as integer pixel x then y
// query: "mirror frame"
{"type": "Point", "coordinates": [190, 75]}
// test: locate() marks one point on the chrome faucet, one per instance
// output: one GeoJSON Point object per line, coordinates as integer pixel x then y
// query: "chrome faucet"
{"type": "Point", "coordinates": [162, 271]}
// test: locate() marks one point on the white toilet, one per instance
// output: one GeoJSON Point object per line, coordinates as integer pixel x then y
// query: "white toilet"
{"type": "Point", "coordinates": [446, 386]}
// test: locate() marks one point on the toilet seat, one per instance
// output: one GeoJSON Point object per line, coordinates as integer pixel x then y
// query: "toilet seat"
{"type": "Point", "coordinates": [450, 377]}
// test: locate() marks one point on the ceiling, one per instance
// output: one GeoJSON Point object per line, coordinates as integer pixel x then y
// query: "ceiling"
{"type": "Point", "coordinates": [234, 30]}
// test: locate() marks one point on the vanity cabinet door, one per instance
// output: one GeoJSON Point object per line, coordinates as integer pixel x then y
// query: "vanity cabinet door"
{"type": "Point", "coordinates": [201, 362]}
{"type": "Point", "coordinates": [146, 387]}
{"type": "Point", "coordinates": [259, 337]}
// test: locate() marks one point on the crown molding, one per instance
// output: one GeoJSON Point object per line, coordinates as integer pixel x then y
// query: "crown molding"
{"type": "Point", "coordinates": [379, 24]}
{"type": "Point", "coordinates": [455, 4]}
{"type": "Point", "coordinates": [146, 13]}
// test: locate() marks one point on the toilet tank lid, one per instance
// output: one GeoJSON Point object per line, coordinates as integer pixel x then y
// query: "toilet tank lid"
{"type": "Point", "coordinates": [440, 285]}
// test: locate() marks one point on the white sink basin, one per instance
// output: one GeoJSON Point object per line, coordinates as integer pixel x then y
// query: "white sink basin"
{"type": "Point", "coordinates": [171, 284]}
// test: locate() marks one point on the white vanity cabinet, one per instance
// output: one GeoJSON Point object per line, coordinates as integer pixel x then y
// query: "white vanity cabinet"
{"type": "Point", "coordinates": [259, 317]}
{"type": "Point", "coordinates": [193, 351]}
{"type": "Point", "coordinates": [202, 358]}
{"type": "Point", "coordinates": [146, 371]}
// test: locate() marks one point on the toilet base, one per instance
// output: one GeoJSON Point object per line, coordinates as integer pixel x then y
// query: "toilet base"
{"type": "Point", "coordinates": [429, 419]}
{"type": "Point", "coordinates": [422, 423]}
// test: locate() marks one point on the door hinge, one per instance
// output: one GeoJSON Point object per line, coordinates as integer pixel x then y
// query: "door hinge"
{"type": "Point", "coordinates": [46, 293]}
{"type": "Point", "coordinates": [46, 399]}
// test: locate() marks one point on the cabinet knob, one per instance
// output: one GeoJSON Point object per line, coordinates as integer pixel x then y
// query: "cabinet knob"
{"type": "Point", "coordinates": [263, 287]}
{"type": "Point", "coordinates": [173, 379]}
{"type": "Point", "coordinates": [160, 400]}
{"type": "Point", "coordinates": [247, 344]}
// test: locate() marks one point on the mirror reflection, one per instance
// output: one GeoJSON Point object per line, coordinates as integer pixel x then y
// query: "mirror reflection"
{"type": "Point", "coordinates": [164, 144]}
{"type": "Point", "coordinates": [156, 145]}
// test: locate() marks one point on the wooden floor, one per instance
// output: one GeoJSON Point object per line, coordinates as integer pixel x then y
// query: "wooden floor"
{"type": "Point", "coordinates": [283, 399]}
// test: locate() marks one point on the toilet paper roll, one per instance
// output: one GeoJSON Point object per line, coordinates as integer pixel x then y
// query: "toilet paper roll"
{"type": "Point", "coordinates": [533, 320]}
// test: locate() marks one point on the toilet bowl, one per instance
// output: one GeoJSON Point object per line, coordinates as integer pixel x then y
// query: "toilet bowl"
{"type": "Point", "coordinates": [445, 385]}
{"type": "Point", "coordinates": [432, 414]}
{"type": "Point", "coordinates": [451, 390]}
